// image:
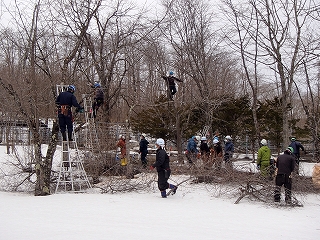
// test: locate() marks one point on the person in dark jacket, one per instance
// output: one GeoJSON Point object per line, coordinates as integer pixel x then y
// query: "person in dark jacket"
{"type": "Point", "coordinates": [205, 152]}
{"type": "Point", "coordinates": [98, 99]}
{"type": "Point", "coordinates": [217, 153]}
{"type": "Point", "coordinates": [163, 169]}
{"type": "Point", "coordinates": [143, 149]}
{"type": "Point", "coordinates": [64, 102]}
{"type": "Point", "coordinates": [285, 164]}
{"type": "Point", "coordinates": [296, 152]}
{"type": "Point", "coordinates": [171, 83]}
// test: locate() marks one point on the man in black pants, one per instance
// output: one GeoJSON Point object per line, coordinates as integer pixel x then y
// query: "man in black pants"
{"type": "Point", "coordinates": [143, 151]}
{"type": "Point", "coordinates": [64, 102]}
{"type": "Point", "coordinates": [163, 169]}
{"type": "Point", "coordinates": [171, 83]}
{"type": "Point", "coordinates": [285, 164]}
{"type": "Point", "coordinates": [296, 152]}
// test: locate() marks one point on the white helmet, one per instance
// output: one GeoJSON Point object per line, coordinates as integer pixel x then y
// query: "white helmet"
{"type": "Point", "coordinates": [215, 141]}
{"type": "Point", "coordinates": [198, 138]}
{"type": "Point", "coordinates": [264, 142]}
{"type": "Point", "coordinates": [203, 139]}
{"type": "Point", "coordinates": [160, 142]}
{"type": "Point", "coordinates": [228, 137]}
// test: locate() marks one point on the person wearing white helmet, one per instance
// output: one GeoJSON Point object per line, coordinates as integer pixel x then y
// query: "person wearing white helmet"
{"type": "Point", "coordinates": [123, 149]}
{"type": "Point", "coordinates": [163, 169]}
{"type": "Point", "coordinates": [216, 153]}
{"type": "Point", "coordinates": [228, 151]}
{"type": "Point", "coordinates": [263, 159]}
{"type": "Point", "coordinates": [205, 152]}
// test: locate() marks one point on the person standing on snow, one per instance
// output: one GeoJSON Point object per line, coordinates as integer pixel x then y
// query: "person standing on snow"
{"type": "Point", "coordinates": [192, 150]}
{"type": "Point", "coordinates": [296, 151]}
{"type": "Point", "coordinates": [228, 151]}
{"type": "Point", "coordinates": [64, 102]}
{"type": "Point", "coordinates": [263, 160]}
{"type": "Point", "coordinates": [285, 164]}
{"type": "Point", "coordinates": [171, 83]}
{"type": "Point", "coordinates": [143, 149]}
{"type": "Point", "coordinates": [123, 149]}
{"type": "Point", "coordinates": [217, 153]}
{"type": "Point", "coordinates": [163, 169]}
{"type": "Point", "coordinates": [205, 152]}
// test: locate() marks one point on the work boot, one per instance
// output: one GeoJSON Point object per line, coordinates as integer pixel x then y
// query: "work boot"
{"type": "Point", "coordinates": [64, 136]}
{"type": "Point", "coordinates": [163, 194]}
{"type": "Point", "coordinates": [173, 187]}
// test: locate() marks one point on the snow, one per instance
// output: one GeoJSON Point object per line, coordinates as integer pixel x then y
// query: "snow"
{"type": "Point", "coordinates": [194, 212]}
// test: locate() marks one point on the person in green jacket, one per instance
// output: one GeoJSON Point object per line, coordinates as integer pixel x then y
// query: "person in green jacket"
{"type": "Point", "coordinates": [263, 160]}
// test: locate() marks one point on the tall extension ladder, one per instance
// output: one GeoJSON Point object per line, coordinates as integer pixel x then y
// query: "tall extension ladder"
{"type": "Point", "coordinates": [72, 176]}
{"type": "Point", "coordinates": [91, 135]}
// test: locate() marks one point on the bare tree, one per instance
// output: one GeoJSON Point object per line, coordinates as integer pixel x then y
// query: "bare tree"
{"type": "Point", "coordinates": [246, 44]}
{"type": "Point", "coordinates": [38, 70]}
{"type": "Point", "coordinates": [282, 26]}
{"type": "Point", "coordinates": [209, 73]}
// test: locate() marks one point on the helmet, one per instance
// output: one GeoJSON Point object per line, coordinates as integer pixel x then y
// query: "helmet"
{"type": "Point", "coordinates": [171, 73]}
{"type": "Point", "coordinates": [71, 88]}
{"type": "Point", "coordinates": [97, 85]}
{"type": "Point", "coordinates": [197, 138]}
{"type": "Point", "coordinates": [122, 136]}
{"type": "Point", "coordinates": [160, 142]}
{"type": "Point", "coordinates": [203, 139]}
{"type": "Point", "coordinates": [264, 142]}
{"type": "Point", "coordinates": [290, 150]}
{"type": "Point", "coordinates": [293, 139]}
{"type": "Point", "coordinates": [228, 137]}
{"type": "Point", "coordinates": [215, 141]}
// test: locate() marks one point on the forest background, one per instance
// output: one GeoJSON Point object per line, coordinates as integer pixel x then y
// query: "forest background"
{"type": "Point", "coordinates": [250, 69]}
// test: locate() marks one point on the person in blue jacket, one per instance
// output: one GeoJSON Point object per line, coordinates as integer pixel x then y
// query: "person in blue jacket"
{"type": "Point", "coordinates": [64, 102]}
{"type": "Point", "coordinates": [296, 152]}
{"type": "Point", "coordinates": [228, 151]}
{"type": "Point", "coordinates": [192, 150]}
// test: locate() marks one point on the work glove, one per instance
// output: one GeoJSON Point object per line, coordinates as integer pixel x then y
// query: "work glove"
{"type": "Point", "coordinates": [151, 168]}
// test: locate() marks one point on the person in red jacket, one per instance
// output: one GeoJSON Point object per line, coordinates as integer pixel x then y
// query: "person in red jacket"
{"type": "Point", "coordinates": [285, 164]}
{"type": "Point", "coordinates": [123, 149]}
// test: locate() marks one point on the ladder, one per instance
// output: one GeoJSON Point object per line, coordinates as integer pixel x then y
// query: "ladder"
{"type": "Point", "coordinates": [91, 134]}
{"type": "Point", "coordinates": [72, 175]}
{"type": "Point", "coordinates": [205, 130]}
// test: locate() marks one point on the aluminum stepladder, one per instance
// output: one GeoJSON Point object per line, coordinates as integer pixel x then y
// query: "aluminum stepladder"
{"type": "Point", "coordinates": [72, 175]}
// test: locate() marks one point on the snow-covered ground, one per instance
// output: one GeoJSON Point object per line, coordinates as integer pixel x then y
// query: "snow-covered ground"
{"type": "Point", "coordinates": [192, 213]}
